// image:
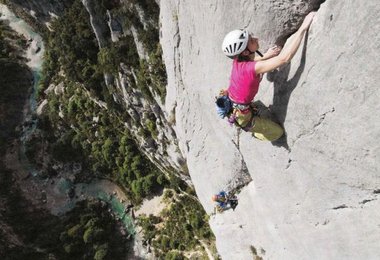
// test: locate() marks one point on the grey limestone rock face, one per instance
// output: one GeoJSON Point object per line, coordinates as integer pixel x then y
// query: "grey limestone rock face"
{"type": "Point", "coordinates": [98, 22]}
{"type": "Point", "coordinates": [315, 193]}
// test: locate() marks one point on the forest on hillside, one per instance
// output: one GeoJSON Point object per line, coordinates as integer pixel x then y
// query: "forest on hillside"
{"type": "Point", "coordinates": [67, 134]}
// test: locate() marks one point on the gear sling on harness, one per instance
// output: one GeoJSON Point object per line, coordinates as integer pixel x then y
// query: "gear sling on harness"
{"type": "Point", "coordinates": [247, 118]}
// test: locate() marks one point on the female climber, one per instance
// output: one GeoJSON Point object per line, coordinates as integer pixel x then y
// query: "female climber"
{"type": "Point", "coordinates": [247, 70]}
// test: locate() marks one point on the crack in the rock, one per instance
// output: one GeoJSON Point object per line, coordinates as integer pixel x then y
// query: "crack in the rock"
{"type": "Point", "coordinates": [202, 148]}
{"type": "Point", "coordinates": [291, 26]}
{"type": "Point", "coordinates": [360, 187]}
{"type": "Point", "coordinates": [366, 201]}
{"type": "Point", "coordinates": [237, 143]}
{"type": "Point", "coordinates": [343, 206]}
{"type": "Point", "coordinates": [242, 177]}
{"type": "Point", "coordinates": [316, 125]}
{"type": "Point", "coordinates": [308, 72]}
{"type": "Point", "coordinates": [322, 117]}
{"type": "Point", "coordinates": [289, 163]}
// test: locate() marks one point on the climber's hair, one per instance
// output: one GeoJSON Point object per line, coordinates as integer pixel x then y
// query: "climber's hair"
{"type": "Point", "coordinates": [242, 58]}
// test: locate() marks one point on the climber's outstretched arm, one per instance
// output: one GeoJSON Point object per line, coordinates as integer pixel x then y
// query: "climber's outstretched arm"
{"type": "Point", "coordinates": [287, 53]}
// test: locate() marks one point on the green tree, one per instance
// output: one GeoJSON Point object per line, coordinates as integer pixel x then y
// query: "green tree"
{"type": "Point", "coordinates": [196, 221]}
{"type": "Point", "coordinates": [101, 252]}
{"type": "Point", "coordinates": [75, 231]}
{"type": "Point", "coordinates": [174, 255]}
{"type": "Point", "coordinates": [108, 150]}
{"type": "Point", "coordinates": [89, 235]}
{"type": "Point", "coordinates": [165, 242]}
{"type": "Point", "coordinates": [137, 188]}
{"type": "Point", "coordinates": [108, 60]}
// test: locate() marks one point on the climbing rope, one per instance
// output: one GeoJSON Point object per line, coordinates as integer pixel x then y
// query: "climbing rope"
{"type": "Point", "coordinates": [238, 131]}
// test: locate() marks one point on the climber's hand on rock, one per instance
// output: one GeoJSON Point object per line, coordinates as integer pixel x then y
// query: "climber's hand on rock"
{"type": "Point", "coordinates": [273, 51]}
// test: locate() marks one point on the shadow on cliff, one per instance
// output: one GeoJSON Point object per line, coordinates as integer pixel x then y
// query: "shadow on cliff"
{"type": "Point", "coordinates": [283, 88]}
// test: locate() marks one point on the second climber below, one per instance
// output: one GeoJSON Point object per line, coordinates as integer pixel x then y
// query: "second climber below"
{"type": "Point", "coordinates": [246, 72]}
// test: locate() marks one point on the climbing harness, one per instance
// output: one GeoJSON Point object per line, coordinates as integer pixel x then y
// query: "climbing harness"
{"type": "Point", "coordinates": [242, 115]}
{"type": "Point", "coordinates": [247, 117]}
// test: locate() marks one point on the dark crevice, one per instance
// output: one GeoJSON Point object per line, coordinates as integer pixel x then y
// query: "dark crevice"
{"type": "Point", "coordinates": [295, 22]}
{"type": "Point", "coordinates": [289, 163]}
{"type": "Point", "coordinates": [322, 118]}
{"type": "Point", "coordinates": [340, 207]}
{"type": "Point", "coordinates": [242, 177]}
{"type": "Point", "coordinates": [240, 180]}
{"type": "Point", "coordinates": [366, 201]}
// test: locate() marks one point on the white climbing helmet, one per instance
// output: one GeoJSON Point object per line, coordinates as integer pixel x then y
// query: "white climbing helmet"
{"type": "Point", "coordinates": [235, 42]}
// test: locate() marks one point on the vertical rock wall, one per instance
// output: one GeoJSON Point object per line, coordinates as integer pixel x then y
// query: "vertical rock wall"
{"type": "Point", "coordinates": [315, 194]}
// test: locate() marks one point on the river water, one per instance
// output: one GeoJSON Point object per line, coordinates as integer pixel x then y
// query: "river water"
{"type": "Point", "coordinates": [56, 190]}
{"type": "Point", "coordinates": [34, 54]}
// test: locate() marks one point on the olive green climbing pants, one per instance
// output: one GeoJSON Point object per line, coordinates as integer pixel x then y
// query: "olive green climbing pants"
{"type": "Point", "coordinates": [263, 128]}
{"type": "Point", "coordinates": [266, 130]}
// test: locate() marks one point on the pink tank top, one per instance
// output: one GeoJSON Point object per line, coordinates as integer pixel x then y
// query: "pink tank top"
{"type": "Point", "coordinates": [244, 83]}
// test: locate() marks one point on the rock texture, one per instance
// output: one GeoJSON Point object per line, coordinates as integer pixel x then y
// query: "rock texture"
{"type": "Point", "coordinates": [314, 194]}
{"type": "Point", "coordinates": [98, 22]}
